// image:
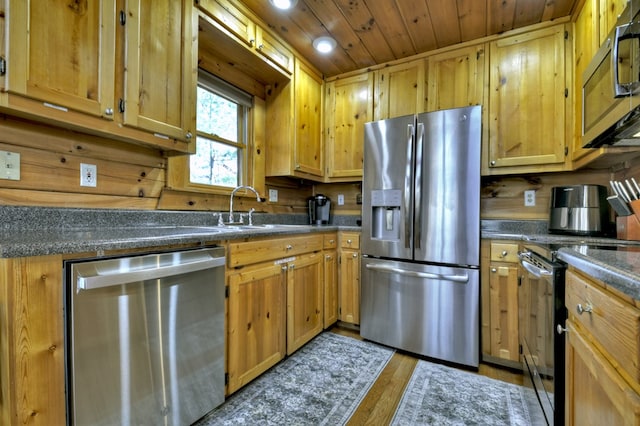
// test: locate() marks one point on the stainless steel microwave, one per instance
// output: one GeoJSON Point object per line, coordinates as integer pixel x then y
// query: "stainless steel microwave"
{"type": "Point", "coordinates": [611, 86]}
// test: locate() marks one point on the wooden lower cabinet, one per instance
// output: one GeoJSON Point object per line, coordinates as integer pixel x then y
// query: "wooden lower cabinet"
{"type": "Point", "coordinates": [304, 300]}
{"type": "Point", "coordinates": [350, 278]}
{"type": "Point", "coordinates": [330, 278]}
{"type": "Point", "coordinates": [602, 351]}
{"type": "Point", "coordinates": [500, 292]}
{"type": "Point", "coordinates": [32, 355]}
{"type": "Point", "coordinates": [256, 333]}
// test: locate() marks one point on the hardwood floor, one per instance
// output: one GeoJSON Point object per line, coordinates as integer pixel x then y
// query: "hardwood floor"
{"type": "Point", "coordinates": [379, 405]}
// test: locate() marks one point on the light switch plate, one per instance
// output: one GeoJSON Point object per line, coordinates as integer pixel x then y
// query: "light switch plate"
{"type": "Point", "coordinates": [273, 195]}
{"type": "Point", "coordinates": [341, 199]}
{"type": "Point", "coordinates": [9, 165]}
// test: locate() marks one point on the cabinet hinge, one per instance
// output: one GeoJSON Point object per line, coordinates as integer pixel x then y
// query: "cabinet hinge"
{"type": "Point", "coordinates": [3, 66]}
{"type": "Point", "coordinates": [121, 105]}
{"type": "Point", "coordinates": [226, 292]}
{"type": "Point", "coordinates": [566, 35]}
{"type": "Point", "coordinates": [520, 349]}
{"type": "Point", "coordinates": [226, 378]}
{"type": "Point", "coordinates": [123, 18]}
{"type": "Point", "coordinates": [566, 93]}
{"type": "Point", "coordinates": [519, 280]}
{"type": "Point", "coordinates": [477, 55]}
{"type": "Point", "coordinates": [566, 151]}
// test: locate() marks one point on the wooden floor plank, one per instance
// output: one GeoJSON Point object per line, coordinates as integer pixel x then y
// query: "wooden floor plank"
{"type": "Point", "coordinates": [379, 405]}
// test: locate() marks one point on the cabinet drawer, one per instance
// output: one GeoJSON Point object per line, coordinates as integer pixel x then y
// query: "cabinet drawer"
{"type": "Point", "coordinates": [350, 240]}
{"type": "Point", "coordinates": [249, 252]}
{"type": "Point", "coordinates": [273, 50]}
{"type": "Point", "coordinates": [330, 241]}
{"type": "Point", "coordinates": [504, 252]}
{"type": "Point", "coordinates": [613, 323]}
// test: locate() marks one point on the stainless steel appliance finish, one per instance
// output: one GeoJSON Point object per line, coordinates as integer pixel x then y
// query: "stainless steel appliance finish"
{"type": "Point", "coordinates": [145, 338]}
{"type": "Point", "coordinates": [319, 208]}
{"type": "Point", "coordinates": [542, 313]}
{"type": "Point", "coordinates": [611, 85]}
{"type": "Point", "coordinates": [579, 210]}
{"type": "Point", "coordinates": [421, 234]}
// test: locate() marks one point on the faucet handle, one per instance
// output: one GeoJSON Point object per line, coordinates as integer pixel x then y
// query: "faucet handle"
{"type": "Point", "coordinates": [251, 210]}
{"type": "Point", "coordinates": [220, 220]}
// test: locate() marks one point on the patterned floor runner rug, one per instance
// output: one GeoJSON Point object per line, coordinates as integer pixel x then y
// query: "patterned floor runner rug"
{"type": "Point", "coordinates": [320, 384]}
{"type": "Point", "coordinates": [441, 395]}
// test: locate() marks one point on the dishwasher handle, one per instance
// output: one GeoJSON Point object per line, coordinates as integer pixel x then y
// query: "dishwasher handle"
{"type": "Point", "coordinates": [390, 269]}
{"type": "Point", "coordinates": [119, 277]}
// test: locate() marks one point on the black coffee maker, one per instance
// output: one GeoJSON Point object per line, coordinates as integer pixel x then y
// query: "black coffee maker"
{"type": "Point", "coordinates": [319, 206]}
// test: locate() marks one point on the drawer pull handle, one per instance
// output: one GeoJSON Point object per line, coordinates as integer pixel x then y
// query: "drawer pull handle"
{"type": "Point", "coordinates": [289, 247]}
{"type": "Point", "coordinates": [504, 253]}
{"type": "Point", "coordinates": [561, 330]}
{"type": "Point", "coordinates": [348, 241]}
{"type": "Point", "coordinates": [355, 254]}
{"type": "Point", "coordinates": [587, 308]}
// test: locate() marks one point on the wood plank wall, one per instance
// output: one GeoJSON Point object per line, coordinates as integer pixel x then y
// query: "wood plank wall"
{"type": "Point", "coordinates": [134, 177]}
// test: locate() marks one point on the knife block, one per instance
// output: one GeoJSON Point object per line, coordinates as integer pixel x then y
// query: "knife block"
{"type": "Point", "coordinates": [628, 228]}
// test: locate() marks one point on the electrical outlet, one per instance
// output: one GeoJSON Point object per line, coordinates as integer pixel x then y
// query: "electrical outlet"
{"type": "Point", "coordinates": [530, 198]}
{"type": "Point", "coordinates": [88, 175]}
{"type": "Point", "coordinates": [9, 165]}
{"type": "Point", "coordinates": [341, 199]}
{"type": "Point", "coordinates": [273, 195]}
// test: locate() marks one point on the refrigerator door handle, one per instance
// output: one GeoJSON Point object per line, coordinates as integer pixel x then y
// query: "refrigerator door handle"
{"type": "Point", "coordinates": [417, 228]}
{"type": "Point", "coordinates": [408, 183]}
{"type": "Point", "coordinates": [442, 277]}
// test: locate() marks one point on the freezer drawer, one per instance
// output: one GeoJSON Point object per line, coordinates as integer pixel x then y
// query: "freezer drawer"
{"type": "Point", "coordinates": [425, 309]}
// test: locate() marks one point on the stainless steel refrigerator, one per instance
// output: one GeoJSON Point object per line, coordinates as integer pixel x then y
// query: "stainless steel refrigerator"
{"type": "Point", "coordinates": [421, 234]}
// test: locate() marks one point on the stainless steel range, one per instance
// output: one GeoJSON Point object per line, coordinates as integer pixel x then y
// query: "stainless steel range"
{"type": "Point", "coordinates": [542, 319]}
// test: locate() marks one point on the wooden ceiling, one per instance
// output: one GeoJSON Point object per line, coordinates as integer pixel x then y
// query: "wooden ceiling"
{"type": "Point", "coordinates": [370, 32]}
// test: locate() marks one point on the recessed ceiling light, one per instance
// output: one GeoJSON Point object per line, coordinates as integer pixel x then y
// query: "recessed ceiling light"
{"type": "Point", "coordinates": [324, 44]}
{"type": "Point", "coordinates": [283, 4]}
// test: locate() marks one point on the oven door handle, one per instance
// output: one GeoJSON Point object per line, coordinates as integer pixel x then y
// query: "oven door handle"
{"type": "Point", "coordinates": [533, 269]}
{"type": "Point", "coordinates": [124, 277]}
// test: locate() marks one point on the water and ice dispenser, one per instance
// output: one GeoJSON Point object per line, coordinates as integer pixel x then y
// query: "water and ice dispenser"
{"type": "Point", "coordinates": [385, 215]}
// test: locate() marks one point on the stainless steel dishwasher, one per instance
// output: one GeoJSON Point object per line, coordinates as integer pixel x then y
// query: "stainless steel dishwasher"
{"type": "Point", "coordinates": [145, 338]}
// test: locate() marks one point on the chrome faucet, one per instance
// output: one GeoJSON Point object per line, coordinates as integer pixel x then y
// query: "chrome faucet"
{"type": "Point", "coordinates": [231, 219]}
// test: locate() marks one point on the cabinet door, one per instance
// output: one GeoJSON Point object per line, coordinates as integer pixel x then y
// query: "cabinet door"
{"type": "Point", "coordinates": [586, 44]}
{"type": "Point", "coordinates": [401, 90]}
{"type": "Point", "coordinates": [256, 322]}
{"type": "Point", "coordinates": [503, 283]}
{"type": "Point", "coordinates": [231, 19]}
{"type": "Point", "coordinates": [350, 286]}
{"type": "Point", "coordinates": [308, 121]}
{"type": "Point", "coordinates": [160, 75]}
{"type": "Point", "coordinates": [349, 104]}
{"type": "Point", "coordinates": [609, 11]}
{"type": "Point", "coordinates": [63, 54]}
{"type": "Point", "coordinates": [596, 393]}
{"type": "Point", "coordinates": [527, 100]}
{"type": "Point", "coordinates": [456, 78]}
{"type": "Point", "coordinates": [330, 288]}
{"type": "Point", "coordinates": [274, 51]}
{"type": "Point", "coordinates": [304, 300]}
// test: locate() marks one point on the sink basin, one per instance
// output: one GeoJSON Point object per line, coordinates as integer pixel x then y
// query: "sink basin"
{"type": "Point", "coordinates": [274, 226]}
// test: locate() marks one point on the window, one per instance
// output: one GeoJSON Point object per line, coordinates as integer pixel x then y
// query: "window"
{"type": "Point", "coordinates": [222, 127]}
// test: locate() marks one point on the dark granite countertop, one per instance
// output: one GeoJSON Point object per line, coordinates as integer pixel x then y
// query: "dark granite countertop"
{"type": "Point", "coordinates": [612, 261]}
{"type": "Point", "coordinates": [35, 231]}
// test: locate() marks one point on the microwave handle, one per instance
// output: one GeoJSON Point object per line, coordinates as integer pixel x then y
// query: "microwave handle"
{"type": "Point", "coordinates": [623, 32]}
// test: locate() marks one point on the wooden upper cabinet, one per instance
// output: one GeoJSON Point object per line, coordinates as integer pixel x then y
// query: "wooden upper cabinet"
{"type": "Point", "coordinates": [159, 72]}
{"type": "Point", "coordinates": [608, 13]}
{"type": "Point", "coordinates": [401, 90]}
{"type": "Point", "coordinates": [231, 19]}
{"type": "Point", "coordinates": [527, 102]}
{"type": "Point", "coordinates": [456, 78]}
{"type": "Point", "coordinates": [274, 51]}
{"type": "Point", "coordinates": [63, 55]}
{"type": "Point", "coordinates": [127, 74]}
{"type": "Point", "coordinates": [294, 126]}
{"type": "Point", "coordinates": [348, 105]}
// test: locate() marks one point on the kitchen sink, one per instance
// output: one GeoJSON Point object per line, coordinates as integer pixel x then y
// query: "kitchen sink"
{"type": "Point", "coordinates": [266, 226]}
